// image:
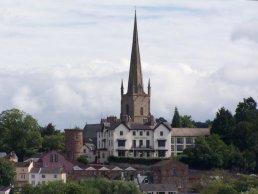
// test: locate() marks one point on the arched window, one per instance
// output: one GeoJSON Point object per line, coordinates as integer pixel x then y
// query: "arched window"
{"type": "Point", "coordinates": [127, 109]}
{"type": "Point", "coordinates": [141, 110]}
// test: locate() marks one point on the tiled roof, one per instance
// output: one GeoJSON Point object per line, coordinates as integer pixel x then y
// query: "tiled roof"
{"type": "Point", "coordinates": [158, 187]}
{"type": "Point", "coordinates": [35, 170]}
{"type": "Point", "coordinates": [51, 170]}
{"type": "Point", "coordinates": [22, 164]}
{"type": "Point", "coordinates": [190, 132]}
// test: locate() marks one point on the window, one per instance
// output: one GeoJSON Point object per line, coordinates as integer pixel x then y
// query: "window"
{"type": "Point", "coordinates": [134, 143]}
{"type": "Point", "coordinates": [161, 153]}
{"type": "Point", "coordinates": [172, 192]}
{"type": "Point", "coordinates": [134, 133]}
{"type": "Point", "coordinates": [180, 140]}
{"type": "Point", "coordinates": [161, 133]}
{"type": "Point", "coordinates": [43, 176]}
{"type": "Point", "coordinates": [147, 133]}
{"type": "Point", "coordinates": [172, 148]}
{"type": "Point", "coordinates": [53, 158]}
{"type": "Point", "coordinates": [55, 176]}
{"type": "Point", "coordinates": [121, 133]}
{"type": "Point", "coordinates": [121, 143]}
{"type": "Point", "coordinates": [172, 140]}
{"type": "Point", "coordinates": [189, 140]}
{"type": "Point", "coordinates": [140, 133]}
{"type": "Point", "coordinates": [147, 143]}
{"type": "Point", "coordinates": [103, 155]}
{"type": "Point", "coordinates": [160, 192]}
{"type": "Point", "coordinates": [161, 143]}
{"type": "Point", "coordinates": [140, 143]}
{"type": "Point", "coordinates": [121, 153]}
{"type": "Point", "coordinates": [141, 110]}
{"type": "Point", "coordinates": [180, 148]}
{"type": "Point", "coordinates": [22, 176]}
{"type": "Point", "coordinates": [33, 176]}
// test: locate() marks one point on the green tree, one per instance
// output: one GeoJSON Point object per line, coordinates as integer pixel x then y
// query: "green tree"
{"type": "Point", "coordinates": [207, 153]}
{"type": "Point", "coordinates": [223, 125]}
{"type": "Point", "coordinates": [186, 121]}
{"type": "Point", "coordinates": [176, 119]}
{"type": "Point", "coordinates": [53, 142]}
{"type": "Point", "coordinates": [19, 132]}
{"type": "Point", "coordinates": [83, 159]}
{"type": "Point", "coordinates": [7, 172]}
{"type": "Point", "coordinates": [246, 111]}
{"type": "Point", "coordinates": [48, 130]}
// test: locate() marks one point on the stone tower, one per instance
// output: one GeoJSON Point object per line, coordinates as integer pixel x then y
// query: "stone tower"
{"type": "Point", "coordinates": [73, 143]}
{"type": "Point", "coordinates": [135, 104]}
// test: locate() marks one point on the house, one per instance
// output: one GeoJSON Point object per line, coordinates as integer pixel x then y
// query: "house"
{"type": "Point", "coordinates": [182, 138]}
{"type": "Point", "coordinates": [22, 172]}
{"type": "Point", "coordinates": [130, 139]}
{"type": "Point", "coordinates": [11, 156]}
{"type": "Point", "coordinates": [5, 189]}
{"type": "Point", "coordinates": [159, 188]}
{"type": "Point", "coordinates": [170, 172]}
{"type": "Point", "coordinates": [54, 159]}
{"type": "Point", "coordinates": [45, 175]}
{"type": "Point", "coordinates": [89, 150]}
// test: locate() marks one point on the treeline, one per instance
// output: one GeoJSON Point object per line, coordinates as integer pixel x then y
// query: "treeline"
{"type": "Point", "coordinates": [233, 143]}
{"type": "Point", "coordinates": [20, 132]}
{"type": "Point", "coordinates": [90, 186]}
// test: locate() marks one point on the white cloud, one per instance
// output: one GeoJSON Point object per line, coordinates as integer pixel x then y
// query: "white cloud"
{"type": "Point", "coordinates": [63, 61]}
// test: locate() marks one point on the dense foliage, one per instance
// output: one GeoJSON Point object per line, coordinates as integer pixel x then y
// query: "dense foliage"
{"type": "Point", "coordinates": [91, 186]}
{"type": "Point", "coordinates": [21, 133]}
{"type": "Point", "coordinates": [234, 185]}
{"type": "Point", "coordinates": [238, 149]}
{"type": "Point", "coordinates": [83, 159]}
{"type": "Point", "coordinates": [7, 172]}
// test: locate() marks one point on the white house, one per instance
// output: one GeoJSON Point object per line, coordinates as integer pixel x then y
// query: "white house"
{"type": "Point", "coordinates": [45, 175]}
{"type": "Point", "coordinates": [129, 139]}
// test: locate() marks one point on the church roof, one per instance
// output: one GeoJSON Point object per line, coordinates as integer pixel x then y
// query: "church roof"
{"type": "Point", "coordinates": [135, 83]}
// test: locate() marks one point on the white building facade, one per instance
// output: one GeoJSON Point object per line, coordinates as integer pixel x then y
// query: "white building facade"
{"type": "Point", "coordinates": [134, 140]}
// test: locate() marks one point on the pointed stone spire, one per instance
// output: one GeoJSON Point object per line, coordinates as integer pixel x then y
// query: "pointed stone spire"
{"type": "Point", "coordinates": [122, 88]}
{"type": "Point", "coordinates": [149, 88]}
{"type": "Point", "coordinates": [135, 83]}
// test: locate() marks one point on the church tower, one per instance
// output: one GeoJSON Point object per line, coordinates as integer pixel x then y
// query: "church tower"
{"type": "Point", "coordinates": [135, 104]}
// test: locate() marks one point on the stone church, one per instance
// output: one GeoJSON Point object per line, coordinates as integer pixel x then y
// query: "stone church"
{"type": "Point", "coordinates": [135, 133]}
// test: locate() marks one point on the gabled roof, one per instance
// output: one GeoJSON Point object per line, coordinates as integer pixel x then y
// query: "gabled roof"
{"type": "Point", "coordinates": [117, 168]}
{"type": "Point", "coordinates": [77, 168]}
{"type": "Point", "coordinates": [90, 168]}
{"type": "Point", "coordinates": [164, 124]}
{"type": "Point", "coordinates": [130, 169]}
{"type": "Point", "coordinates": [51, 170]}
{"type": "Point", "coordinates": [190, 132]}
{"type": "Point", "coordinates": [104, 168]}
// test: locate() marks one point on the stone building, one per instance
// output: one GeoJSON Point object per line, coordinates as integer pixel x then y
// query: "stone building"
{"type": "Point", "coordinates": [73, 143]}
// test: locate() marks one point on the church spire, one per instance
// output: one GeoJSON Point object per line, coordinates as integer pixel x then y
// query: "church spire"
{"type": "Point", "coordinates": [135, 83]}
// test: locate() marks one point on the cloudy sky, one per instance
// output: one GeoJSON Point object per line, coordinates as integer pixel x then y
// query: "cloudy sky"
{"type": "Point", "coordinates": [62, 61]}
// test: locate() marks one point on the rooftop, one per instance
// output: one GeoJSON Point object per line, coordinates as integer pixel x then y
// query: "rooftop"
{"type": "Point", "coordinates": [190, 132]}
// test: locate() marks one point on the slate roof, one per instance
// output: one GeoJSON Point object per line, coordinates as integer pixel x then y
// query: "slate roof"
{"type": "Point", "coordinates": [158, 187]}
{"type": "Point", "coordinates": [22, 164]}
{"type": "Point", "coordinates": [35, 170]}
{"type": "Point", "coordinates": [90, 132]}
{"type": "Point", "coordinates": [51, 170]}
{"type": "Point", "coordinates": [190, 132]}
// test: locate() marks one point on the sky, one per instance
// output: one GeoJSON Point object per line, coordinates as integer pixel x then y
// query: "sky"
{"type": "Point", "coordinates": [63, 61]}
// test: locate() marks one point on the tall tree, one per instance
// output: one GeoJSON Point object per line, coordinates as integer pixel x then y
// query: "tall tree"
{"type": "Point", "coordinates": [19, 132]}
{"type": "Point", "coordinates": [176, 119]}
{"type": "Point", "coordinates": [7, 172]}
{"type": "Point", "coordinates": [246, 111]}
{"type": "Point", "coordinates": [186, 121]}
{"type": "Point", "coordinates": [223, 125]}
